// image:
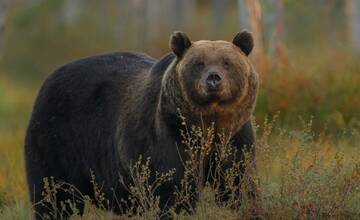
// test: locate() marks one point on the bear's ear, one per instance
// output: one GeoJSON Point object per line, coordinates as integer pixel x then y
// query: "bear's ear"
{"type": "Point", "coordinates": [179, 42]}
{"type": "Point", "coordinates": [245, 41]}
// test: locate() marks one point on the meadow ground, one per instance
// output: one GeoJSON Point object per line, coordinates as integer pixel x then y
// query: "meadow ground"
{"type": "Point", "coordinates": [299, 176]}
{"type": "Point", "coordinates": [308, 163]}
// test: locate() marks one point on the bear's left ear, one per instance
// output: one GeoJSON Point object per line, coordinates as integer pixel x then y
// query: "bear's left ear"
{"type": "Point", "coordinates": [245, 41]}
{"type": "Point", "coordinates": [179, 43]}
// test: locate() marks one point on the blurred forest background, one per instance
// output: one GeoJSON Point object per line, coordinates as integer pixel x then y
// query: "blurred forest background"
{"type": "Point", "coordinates": [306, 52]}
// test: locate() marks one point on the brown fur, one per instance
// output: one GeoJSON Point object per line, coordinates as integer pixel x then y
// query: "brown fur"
{"type": "Point", "coordinates": [229, 115]}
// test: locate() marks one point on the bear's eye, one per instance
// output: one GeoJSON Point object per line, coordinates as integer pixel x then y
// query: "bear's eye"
{"type": "Point", "coordinates": [226, 63]}
{"type": "Point", "coordinates": [200, 64]}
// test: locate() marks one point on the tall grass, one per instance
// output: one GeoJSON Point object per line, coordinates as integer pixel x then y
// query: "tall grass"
{"type": "Point", "coordinates": [299, 175]}
{"type": "Point", "coordinates": [324, 85]}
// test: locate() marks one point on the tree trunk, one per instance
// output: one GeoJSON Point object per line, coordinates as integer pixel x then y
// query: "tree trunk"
{"type": "Point", "coordinates": [3, 10]}
{"type": "Point", "coordinates": [243, 14]}
{"type": "Point", "coordinates": [72, 10]}
{"type": "Point", "coordinates": [280, 51]}
{"type": "Point", "coordinates": [253, 20]}
{"type": "Point", "coordinates": [219, 10]}
{"type": "Point", "coordinates": [353, 20]}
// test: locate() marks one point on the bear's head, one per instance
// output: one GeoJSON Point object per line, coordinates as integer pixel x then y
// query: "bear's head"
{"type": "Point", "coordinates": [215, 79]}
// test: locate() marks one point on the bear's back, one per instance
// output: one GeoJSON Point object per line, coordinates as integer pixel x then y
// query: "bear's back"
{"type": "Point", "coordinates": [95, 72]}
{"type": "Point", "coordinates": [77, 109]}
{"type": "Point", "coordinates": [92, 81]}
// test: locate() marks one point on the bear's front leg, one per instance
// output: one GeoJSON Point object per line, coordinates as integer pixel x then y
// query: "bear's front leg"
{"type": "Point", "coordinates": [173, 199]}
{"type": "Point", "coordinates": [233, 177]}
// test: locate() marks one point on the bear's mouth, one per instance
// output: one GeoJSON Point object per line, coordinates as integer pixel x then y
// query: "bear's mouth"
{"type": "Point", "coordinates": [205, 96]}
{"type": "Point", "coordinates": [214, 95]}
{"type": "Point", "coordinates": [214, 99]}
{"type": "Point", "coordinates": [219, 95]}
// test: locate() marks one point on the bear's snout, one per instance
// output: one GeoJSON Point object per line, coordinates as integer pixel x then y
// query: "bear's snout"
{"type": "Point", "coordinates": [213, 81]}
{"type": "Point", "coordinates": [213, 86]}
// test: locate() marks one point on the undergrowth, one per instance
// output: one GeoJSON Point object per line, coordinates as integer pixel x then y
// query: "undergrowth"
{"type": "Point", "coordinates": [299, 175]}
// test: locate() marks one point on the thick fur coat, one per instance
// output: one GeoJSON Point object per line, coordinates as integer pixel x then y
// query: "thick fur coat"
{"type": "Point", "coordinates": [98, 114]}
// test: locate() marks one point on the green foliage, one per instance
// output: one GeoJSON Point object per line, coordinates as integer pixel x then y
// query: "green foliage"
{"type": "Point", "coordinates": [38, 40]}
{"type": "Point", "coordinates": [326, 89]}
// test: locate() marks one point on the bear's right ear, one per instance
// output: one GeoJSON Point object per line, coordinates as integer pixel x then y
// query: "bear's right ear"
{"type": "Point", "coordinates": [179, 43]}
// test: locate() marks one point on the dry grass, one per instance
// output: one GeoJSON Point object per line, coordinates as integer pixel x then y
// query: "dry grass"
{"type": "Point", "coordinates": [12, 173]}
{"type": "Point", "coordinates": [299, 176]}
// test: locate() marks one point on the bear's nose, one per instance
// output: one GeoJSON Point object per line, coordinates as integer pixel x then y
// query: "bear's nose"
{"type": "Point", "coordinates": [213, 80]}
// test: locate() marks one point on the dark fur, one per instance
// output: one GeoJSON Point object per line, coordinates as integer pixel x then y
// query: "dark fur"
{"type": "Point", "coordinates": [100, 113]}
{"type": "Point", "coordinates": [244, 41]}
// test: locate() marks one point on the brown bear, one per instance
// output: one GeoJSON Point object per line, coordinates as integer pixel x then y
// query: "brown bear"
{"type": "Point", "coordinates": [100, 113]}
